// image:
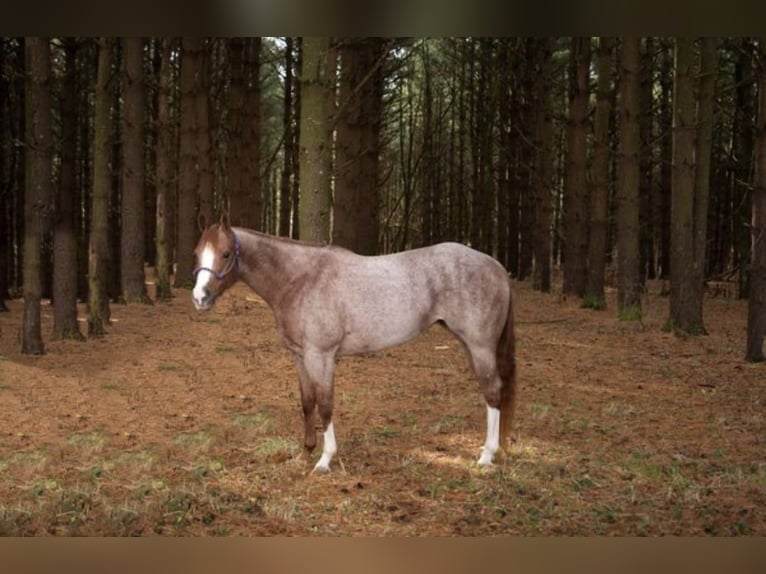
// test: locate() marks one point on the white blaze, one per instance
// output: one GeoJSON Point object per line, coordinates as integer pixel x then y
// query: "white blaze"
{"type": "Point", "coordinates": [203, 277]}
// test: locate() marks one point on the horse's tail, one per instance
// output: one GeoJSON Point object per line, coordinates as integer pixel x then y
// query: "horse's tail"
{"type": "Point", "coordinates": [506, 366]}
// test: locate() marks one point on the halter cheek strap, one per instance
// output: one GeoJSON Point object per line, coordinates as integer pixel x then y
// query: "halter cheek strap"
{"type": "Point", "coordinates": [234, 264]}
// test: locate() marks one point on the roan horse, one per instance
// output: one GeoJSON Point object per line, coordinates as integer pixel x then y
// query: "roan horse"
{"type": "Point", "coordinates": [329, 302]}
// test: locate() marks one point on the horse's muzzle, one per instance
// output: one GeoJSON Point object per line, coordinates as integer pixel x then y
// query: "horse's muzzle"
{"type": "Point", "coordinates": [203, 299]}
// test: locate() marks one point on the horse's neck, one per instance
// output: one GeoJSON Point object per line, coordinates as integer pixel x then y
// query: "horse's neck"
{"type": "Point", "coordinates": [267, 263]}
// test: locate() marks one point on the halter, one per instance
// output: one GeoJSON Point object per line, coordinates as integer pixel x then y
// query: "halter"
{"type": "Point", "coordinates": [232, 265]}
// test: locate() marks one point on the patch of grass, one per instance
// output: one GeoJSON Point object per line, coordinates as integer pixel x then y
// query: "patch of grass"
{"type": "Point", "coordinates": [167, 368]}
{"type": "Point", "coordinates": [385, 432]}
{"type": "Point", "coordinates": [259, 422]}
{"type": "Point", "coordinates": [630, 313]}
{"type": "Point", "coordinates": [595, 302]}
{"type": "Point", "coordinates": [224, 349]}
{"type": "Point", "coordinates": [200, 440]}
{"type": "Point", "coordinates": [640, 465]}
{"type": "Point", "coordinates": [206, 469]}
{"type": "Point", "coordinates": [539, 410]}
{"type": "Point", "coordinates": [92, 441]}
{"type": "Point", "coordinates": [277, 445]}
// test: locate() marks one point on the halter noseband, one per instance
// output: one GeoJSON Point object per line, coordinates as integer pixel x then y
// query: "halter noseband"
{"type": "Point", "coordinates": [232, 265]}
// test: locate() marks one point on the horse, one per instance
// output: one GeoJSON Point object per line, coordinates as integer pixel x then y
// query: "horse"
{"type": "Point", "coordinates": [329, 302]}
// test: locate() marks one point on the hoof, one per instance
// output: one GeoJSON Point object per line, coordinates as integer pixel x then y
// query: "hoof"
{"type": "Point", "coordinates": [485, 459]}
{"type": "Point", "coordinates": [321, 468]}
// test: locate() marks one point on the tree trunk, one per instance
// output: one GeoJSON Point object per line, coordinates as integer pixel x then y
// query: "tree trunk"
{"type": "Point", "coordinates": [288, 135]}
{"type": "Point", "coordinates": [251, 145]}
{"type": "Point", "coordinates": [666, 158]}
{"type": "Point", "coordinates": [742, 145]}
{"type": "Point", "coordinates": [541, 279]}
{"type": "Point", "coordinates": [165, 177]}
{"type": "Point", "coordinates": [38, 195]}
{"type": "Point", "coordinates": [628, 263]}
{"type": "Point", "coordinates": [316, 81]}
{"type": "Point", "coordinates": [5, 179]}
{"type": "Point", "coordinates": [689, 195]}
{"type": "Point", "coordinates": [645, 120]}
{"type": "Point", "coordinates": [98, 253]}
{"type": "Point", "coordinates": [202, 130]}
{"type": "Point", "coordinates": [599, 204]}
{"type": "Point", "coordinates": [65, 237]}
{"type": "Point", "coordinates": [575, 216]}
{"type": "Point", "coordinates": [756, 308]}
{"type": "Point", "coordinates": [187, 166]}
{"type": "Point", "coordinates": [133, 169]}
{"type": "Point", "coordinates": [355, 211]}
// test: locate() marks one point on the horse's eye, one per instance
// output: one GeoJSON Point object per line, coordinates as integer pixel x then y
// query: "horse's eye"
{"type": "Point", "coordinates": [226, 254]}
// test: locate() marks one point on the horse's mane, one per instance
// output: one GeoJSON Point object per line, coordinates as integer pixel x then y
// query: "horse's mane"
{"type": "Point", "coordinates": [290, 240]}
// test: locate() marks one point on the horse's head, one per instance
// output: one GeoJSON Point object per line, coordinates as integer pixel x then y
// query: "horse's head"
{"type": "Point", "coordinates": [217, 266]}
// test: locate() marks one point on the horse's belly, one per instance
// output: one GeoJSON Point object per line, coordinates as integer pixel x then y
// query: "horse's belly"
{"type": "Point", "coordinates": [381, 334]}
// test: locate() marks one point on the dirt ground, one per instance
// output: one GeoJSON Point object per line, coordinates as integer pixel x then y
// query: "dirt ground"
{"type": "Point", "coordinates": [187, 423]}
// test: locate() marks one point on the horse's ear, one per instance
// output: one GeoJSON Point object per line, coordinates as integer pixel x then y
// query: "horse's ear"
{"type": "Point", "coordinates": [224, 220]}
{"type": "Point", "coordinates": [202, 221]}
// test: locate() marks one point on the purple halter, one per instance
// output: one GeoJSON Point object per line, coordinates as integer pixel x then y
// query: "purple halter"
{"type": "Point", "coordinates": [233, 264]}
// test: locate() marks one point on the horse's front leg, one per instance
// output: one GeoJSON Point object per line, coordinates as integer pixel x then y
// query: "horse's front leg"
{"type": "Point", "coordinates": [308, 404]}
{"type": "Point", "coordinates": [317, 369]}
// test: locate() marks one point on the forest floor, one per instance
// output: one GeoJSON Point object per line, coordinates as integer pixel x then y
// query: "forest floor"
{"type": "Point", "coordinates": [187, 423]}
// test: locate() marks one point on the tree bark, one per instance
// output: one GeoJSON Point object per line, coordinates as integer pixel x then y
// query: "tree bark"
{"type": "Point", "coordinates": [628, 263]}
{"type": "Point", "coordinates": [541, 279]}
{"type": "Point", "coordinates": [288, 135]}
{"type": "Point", "coordinates": [187, 167]}
{"type": "Point", "coordinates": [355, 211]}
{"type": "Point", "coordinates": [316, 83]}
{"type": "Point", "coordinates": [65, 324]}
{"type": "Point", "coordinates": [575, 217]}
{"type": "Point", "coordinates": [756, 308]}
{"type": "Point", "coordinates": [689, 201]}
{"type": "Point", "coordinates": [202, 131]}
{"type": "Point", "coordinates": [599, 204]}
{"type": "Point", "coordinates": [98, 253]}
{"type": "Point", "coordinates": [39, 190]}
{"type": "Point", "coordinates": [165, 177]}
{"type": "Point", "coordinates": [133, 230]}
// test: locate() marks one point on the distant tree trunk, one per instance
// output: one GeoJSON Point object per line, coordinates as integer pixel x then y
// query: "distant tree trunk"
{"type": "Point", "coordinates": [202, 129]}
{"type": "Point", "coordinates": [317, 75]}
{"type": "Point", "coordinates": [628, 263]}
{"type": "Point", "coordinates": [599, 204]}
{"type": "Point", "coordinates": [251, 133]}
{"type": "Point", "coordinates": [5, 180]}
{"type": "Point", "coordinates": [295, 192]}
{"type": "Point", "coordinates": [756, 308]}
{"type": "Point", "coordinates": [703, 156]}
{"type": "Point", "coordinates": [355, 211]}
{"type": "Point", "coordinates": [38, 195]}
{"type": "Point", "coordinates": [98, 253]}
{"type": "Point", "coordinates": [689, 209]}
{"type": "Point", "coordinates": [165, 177]}
{"type": "Point", "coordinates": [243, 152]}
{"type": "Point", "coordinates": [666, 158]}
{"type": "Point", "coordinates": [575, 216]}
{"type": "Point", "coordinates": [65, 238]}
{"type": "Point", "coordinates": [742, 148]}
{"type": "Point", "coordinates": [543, 168]}
{"type": "Point", "coordinates": [288, 135]}
{"type": "Point", "coordinates": [526, 159]}
{"type": "Point", "coordinates": [187, 166]}
{"type": "Point", "coordinates": [133, 170]}
{"type": "Point", "coordinates": [646, 145]}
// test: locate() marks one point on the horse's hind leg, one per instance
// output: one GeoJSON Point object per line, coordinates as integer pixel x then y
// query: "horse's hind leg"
{"type": "Point", "coordinates": [484, 364]}
{"type": "Point", "coordinates": [317, 369]}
